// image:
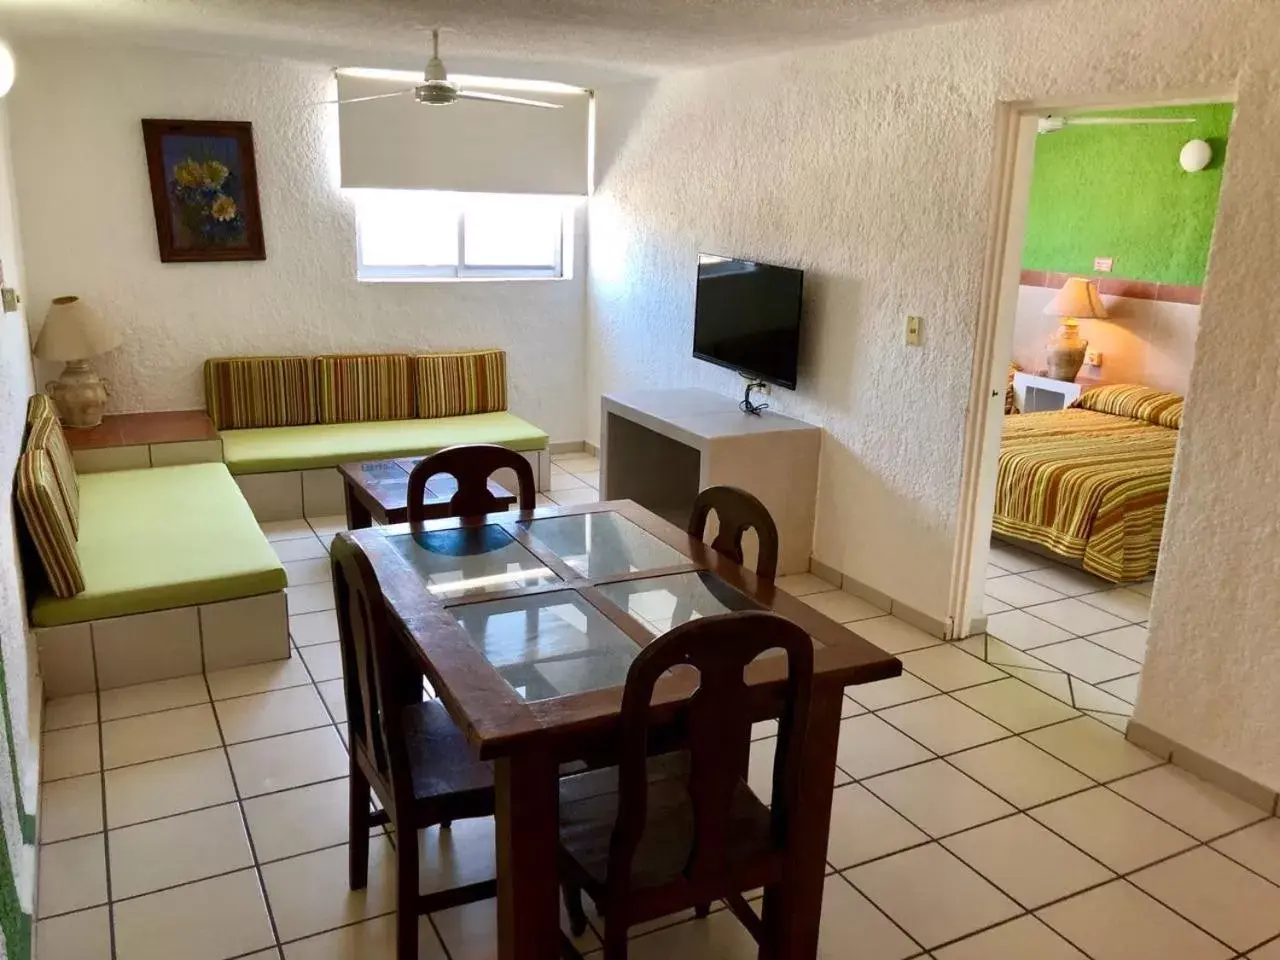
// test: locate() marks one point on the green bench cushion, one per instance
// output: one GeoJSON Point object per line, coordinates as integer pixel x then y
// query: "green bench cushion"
{"type": "Point", "coordinates": [275, 449]}
{"type": "Point", "coordinates": [160, 538]}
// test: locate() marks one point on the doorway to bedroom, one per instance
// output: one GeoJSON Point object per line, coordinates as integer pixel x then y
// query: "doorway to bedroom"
{"type": "Point", "coordinates": [1110, 216]}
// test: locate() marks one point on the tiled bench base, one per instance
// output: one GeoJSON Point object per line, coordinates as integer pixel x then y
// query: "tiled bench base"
{"type": "Point", "coordinates": [121, 651]}
{"type": "Point", "coordinates": [295, 494]}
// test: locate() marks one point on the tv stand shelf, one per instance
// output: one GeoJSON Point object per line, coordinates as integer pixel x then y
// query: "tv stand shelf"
{"type": "Point", "coordinates": [660, 447]}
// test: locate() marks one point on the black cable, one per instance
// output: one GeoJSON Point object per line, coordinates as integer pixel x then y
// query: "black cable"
{"type": "Point", "coordinates": [746, 406]}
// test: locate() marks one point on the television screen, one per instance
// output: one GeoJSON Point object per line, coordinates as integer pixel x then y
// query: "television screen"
{"type": "Point", "coordinates": [747, 318]}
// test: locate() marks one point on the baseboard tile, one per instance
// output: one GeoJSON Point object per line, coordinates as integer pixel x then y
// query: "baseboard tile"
{"type": "Point", "coordinates": [557, 447]}
{"type": "Point", "coordinates": [823, 572]}
{"type": "Point", "coordinates": [1234, 783]}
{"type": "Point", "coordinates": [591, 448]}
{"type": "Point", "coordinates": [870, 594]}
{"type": "Point", "coordinates": [923, 621]}
{"type": "Point", "coordinates": [930, 625]}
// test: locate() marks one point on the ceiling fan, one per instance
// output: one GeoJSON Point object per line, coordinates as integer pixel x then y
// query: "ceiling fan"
{"type": "Point", "coordinates": [437, 90]}
{"type": "Point", "coordinates": [1052, 124]}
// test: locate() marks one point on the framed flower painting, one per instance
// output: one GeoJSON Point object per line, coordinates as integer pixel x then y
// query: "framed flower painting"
{"type": "Point", "coordinates": [204, 187]}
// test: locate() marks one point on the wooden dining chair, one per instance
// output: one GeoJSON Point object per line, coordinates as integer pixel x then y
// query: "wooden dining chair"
{"type": "Point", "coordinates": [655, 835]}
{"type": "Point", "coordinates": [471, 465]}
{"type": "Point", "coordinates": [408, 752]}
{"type": "Point", "coordinates": [737, 511]}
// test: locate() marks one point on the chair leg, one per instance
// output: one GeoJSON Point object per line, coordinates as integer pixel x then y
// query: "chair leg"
{"type": "Point", "coordinates": [446, 824]}
{"type": "Point", "coordinates": [407, 897]}
{"type": "Point", "coordinates": [615, 941]}
{"type": "Point", "coordinates": [573, 907]}
{"type": "Point", "coordinates": [702, 910]}
{"type": "Point", "coordinates": [358, 842]}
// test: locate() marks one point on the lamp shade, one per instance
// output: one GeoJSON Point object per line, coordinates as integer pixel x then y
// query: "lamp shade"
{"type": "Point", "coordinates": [1078, 300]}
{"type": "Point", "coordinates": [73, 330]}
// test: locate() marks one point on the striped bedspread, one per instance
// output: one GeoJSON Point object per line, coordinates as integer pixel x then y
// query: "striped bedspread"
{"type": "Point", "coordinates": [1088, 486]}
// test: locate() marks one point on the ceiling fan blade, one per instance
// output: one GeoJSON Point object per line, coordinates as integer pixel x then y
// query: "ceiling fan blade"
{"type": "Point", "coordinates": [501, 98]}
{"type": "Point", "coordinates": [379, 96]}
{"type": "Point", "coordinates": [1123, 121]}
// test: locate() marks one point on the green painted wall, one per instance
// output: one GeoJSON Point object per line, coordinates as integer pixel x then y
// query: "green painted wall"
{"type": "Point", "coordinates": [1117, 191]}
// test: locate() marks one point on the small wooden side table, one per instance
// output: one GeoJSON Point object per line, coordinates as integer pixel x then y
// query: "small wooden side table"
{"type": "Point", "coordinates": [129, 441]}
{"type": "Point", "coordinates": [378, 490]}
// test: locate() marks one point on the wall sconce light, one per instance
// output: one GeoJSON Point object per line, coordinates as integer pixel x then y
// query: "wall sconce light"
{"type": "Point", "coordinates": [1195, 156]}
{"type": "Point", "coordinates": [7, 68]}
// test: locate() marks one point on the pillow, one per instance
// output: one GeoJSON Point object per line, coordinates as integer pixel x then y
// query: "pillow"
{"type": "Point", "coordinates": [454, 384]}
{"type": "Point", "coordinates": [46, 518]}
{"type": "Point", "coordinates": [243, 392]}
{"type": "Point", "coordinates": [364, 387]}
{"type": "Point", "coordinates": [46, 434]}
{"type": "Point", "coordinates": [40, 405]}
{"type": "Point", "coordinates": [1134, 401]}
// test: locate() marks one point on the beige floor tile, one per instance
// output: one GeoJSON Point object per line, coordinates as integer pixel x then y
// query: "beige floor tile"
{"type": "Point", "coordinates": [371, 940]}
{"type": "Point", "coordinates": [470, 932]}
{"type": "Point", "coordinates": [309, 893]}
{"type": "Point", "coordinates": [1093, 749]}
{"type": "Point", "coordinates": [1111, 829]}
{"type": "Point", "coordinates": [1269, 952]}
{"type": "Point", "coordinates": [154, 736]}
{"type": "Point", "coordinates": [324, 661]}
{"type": "Point", "coordinates": [1218, 895]}
{"type": "Point", "coordinates": [73, 711]}
{"type": "Point", "coordinates": [1094, 700]}
{"type": "Point", "coordinates": [1068, 580]}
{"type": "Point", "coordinates": [1117, 722]}
{"type": "Point", "coordinates": [258, 678]}
{"type": "Point", "coordinates": [309, 597]}
{"type": "Point", "coordinates": [73, 875]}
{"type": "Point", "coordinates": [938, 798]}
{"type": "Point", "coordinates": [1015, 705]}
{"type": "Point", "coordinates": [943, 725]}
{"type": "Point", "coordinates": [70, 808]}
{"type": "Point", "coordinates": [209, 920]}
{"type": "Point", "coordinates": [763, 729]}
{"type": "Point", "coordinates": [301, 548]}
{"type": "Point", "coordinates": [190, 846]}
{"type": "Point", "coordinates": [1021, 773]}
{"type": "Point", "coordinates": [719, 936]}
{"type": "Point", "coordinates": [849, 918]}
{"type": "Point", "coordinates": [931, 894]}
{"type": "Point", "coordinates": [843, 607]}
{"type": "Point", "coordinates": [1018, 591]}
{"type": "Point", "coordinates": [563, 480]}
{"type": "Point", "coordinates": [568, 498]}
{"type": "Point", "coordinates": [1046, 679]}
{"type": "Point", "coordinates": [308, 629]}
{"type": "Point", "coordinates": [291, 760]}
{"type": "Point", "coordinates": [152, 697]}
{"type": "Point", "coordinates": [1001, 654]}
{"type": "Point", "coordinates": [949, 668]}
{"type": "Point", "coordinates": [1126, 688]}
{"type": "Point", "coordinates": [69, 753]}
{"type": "Point", "coordinates": [301, 572]}
{"type": "Point", "coordinates": [1257, 847]}
{"type": "Point", "coordinates": [895, 636]}
{"type": "Point", "coordinates": [328, 525]}
{"type": "Point", "coordinates": [335, 698]}
{"type": "Point", "coordinates": [1015, 560]}
{"type": "Point", "coordinates": [1086, 660]}
{"type": "Point", "coordinates": [891, 692]}
{"type": "Point", "coordinates": [1023, 939]}
{"type": "Point", "coordinates": [1120, 922]}
{"type": "Point", "coordinates": [77, 936]}
{"type": "Point", "coordinates": [271, 714]}
{"type": "Point", "coordinates": [869, 746]}
{"type": "Point", "coordinates": [760, 769]}
{"type": "Point", "coordinates": [1026, 861]}
{"type": "Point", "coordinates": [286, 530]}
{"type": "Point", "coordinates": [165, 787]}
{"type": "Point", "coordinates": [864, 827]}
{"type": "Point", "coordinates": [991, 605]}
{"type": "Point", "coordinates": [1020, 629]}
{"type": "Point", "coordinates": [1130, 641]}
{"type": "Point", "coordinates": [1124, 603]}
{"type": "Point", "coordinates": [801, 584]}
{"type": "Point", "coordinates": [298, 821]}
{"type": "Point", "coordinates": [1077, 618]}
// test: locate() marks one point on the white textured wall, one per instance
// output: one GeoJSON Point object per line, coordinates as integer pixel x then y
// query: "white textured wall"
{"type": "Point", "coordinates": [868, 164]}
{"type": "Point", "coordinates": [88, 229]}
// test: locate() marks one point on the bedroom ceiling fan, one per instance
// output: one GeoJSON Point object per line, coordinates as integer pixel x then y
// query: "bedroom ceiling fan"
{"type": "Point", "coordinates": [1052, 124]}
{"type": "Point", "coordinates": [437, 90]}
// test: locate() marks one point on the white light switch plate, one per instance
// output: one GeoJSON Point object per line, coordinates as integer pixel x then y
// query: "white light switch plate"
{"type": "Point", "coordinates": [914, 335]}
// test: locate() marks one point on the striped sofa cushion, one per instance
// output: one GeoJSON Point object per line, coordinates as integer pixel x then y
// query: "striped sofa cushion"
{"type": "Point", "coordinates": [455, 384]}
{"type": "Point", "coordinates": [1135, 402]}
{"type": "Point", "coordinates": [47, 521]}
{"type": "Point", "coordinates": [243, 392]}
{"type": "Point", "coordinates": [46, 434]}
{"type": "Point", "coordinates": [362, 388]}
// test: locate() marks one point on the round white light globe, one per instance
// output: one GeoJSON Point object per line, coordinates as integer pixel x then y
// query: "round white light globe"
{"type": "Point", "coordinates": [7, 68]}
{"type": "Point", "coordinates": [1195, 156]}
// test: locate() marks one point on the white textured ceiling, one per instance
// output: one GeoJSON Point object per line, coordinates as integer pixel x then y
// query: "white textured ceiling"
{"type": "Point", "coordinates": [601, 39]}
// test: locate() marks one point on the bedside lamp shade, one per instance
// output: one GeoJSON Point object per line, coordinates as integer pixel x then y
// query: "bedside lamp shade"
{"type": "Point", "coordinates": [73, 330]}
{"type": "Point", "coordinates": [1077, 300]}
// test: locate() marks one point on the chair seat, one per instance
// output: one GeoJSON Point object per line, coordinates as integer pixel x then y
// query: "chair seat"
{"type": "Point", "coordinates": [441, 761]}
{"type": "Point", "coordinates": [589, 812]}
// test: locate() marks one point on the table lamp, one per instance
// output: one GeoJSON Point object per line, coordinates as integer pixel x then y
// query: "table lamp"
{"type": "Point", "coordinates": [1077, 300]}
{"type": "Point", "coordinates": [73, 331]}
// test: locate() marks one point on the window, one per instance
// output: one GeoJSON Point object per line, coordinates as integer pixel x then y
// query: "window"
{"type": "Point", "coordinates": [429, 234]}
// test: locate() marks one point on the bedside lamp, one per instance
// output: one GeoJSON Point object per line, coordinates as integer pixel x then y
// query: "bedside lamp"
{"type": "Point", "coordinates": [1077, 300]}
{"type": "Point", "coordinates": [73, 331]}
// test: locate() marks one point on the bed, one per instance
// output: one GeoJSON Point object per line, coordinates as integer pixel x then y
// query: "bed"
{"type": "Point", "coordinates": [1089, 484]}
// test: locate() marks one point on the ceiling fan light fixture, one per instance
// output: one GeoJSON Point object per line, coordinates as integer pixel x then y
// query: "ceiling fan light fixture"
{"type": "Point", "coordinates": [436, 93]}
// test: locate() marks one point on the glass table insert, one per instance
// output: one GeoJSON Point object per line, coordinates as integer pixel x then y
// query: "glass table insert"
{"type": "Point", "coordinates": [600, 545]}
{"type": "Point", "coordinates": [471, 560]}
{"type": "Point", "coordinates": [660, 603]}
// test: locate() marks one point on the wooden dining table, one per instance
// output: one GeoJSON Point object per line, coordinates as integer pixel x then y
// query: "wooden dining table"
{"type": "Point", "coordinates": [525, 623]}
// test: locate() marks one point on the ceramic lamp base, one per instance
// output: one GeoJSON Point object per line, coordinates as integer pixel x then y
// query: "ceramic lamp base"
{"type": "Point", "coordinates": [80, 394]}
{"type": "Point", "coordinates": [1064, 354]}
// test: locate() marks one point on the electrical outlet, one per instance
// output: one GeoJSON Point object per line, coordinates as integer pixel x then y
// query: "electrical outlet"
{"type": "Point", "coordinates": [1103, 264]}
{"type": "Point", "coordinates": [914, 336]}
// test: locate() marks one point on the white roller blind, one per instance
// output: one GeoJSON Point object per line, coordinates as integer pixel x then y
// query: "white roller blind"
{"type": "Point", "coordinates": [398, 143]}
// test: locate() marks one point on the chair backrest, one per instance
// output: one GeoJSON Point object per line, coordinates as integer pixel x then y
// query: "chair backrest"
{"type": "Point", "coordinates": [716, 722]}
{"type": "Point", "coordinates": [736, 511]}
{"type": "Point", "coordinates": [376, 686]}
{"type": "Point", "coordinates": [471, 465]}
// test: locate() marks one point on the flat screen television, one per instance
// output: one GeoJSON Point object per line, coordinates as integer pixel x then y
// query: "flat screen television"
{"type": "Point", "coordinates": [747, 318]}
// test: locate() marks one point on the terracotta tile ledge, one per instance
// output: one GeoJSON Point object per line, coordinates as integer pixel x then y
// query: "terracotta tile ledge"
{"type": "Point", "coordinates": [1120, 287]}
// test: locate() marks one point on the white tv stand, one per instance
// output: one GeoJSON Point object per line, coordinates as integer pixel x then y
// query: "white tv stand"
{"type": "Point", "coordinates": [660, 447]}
